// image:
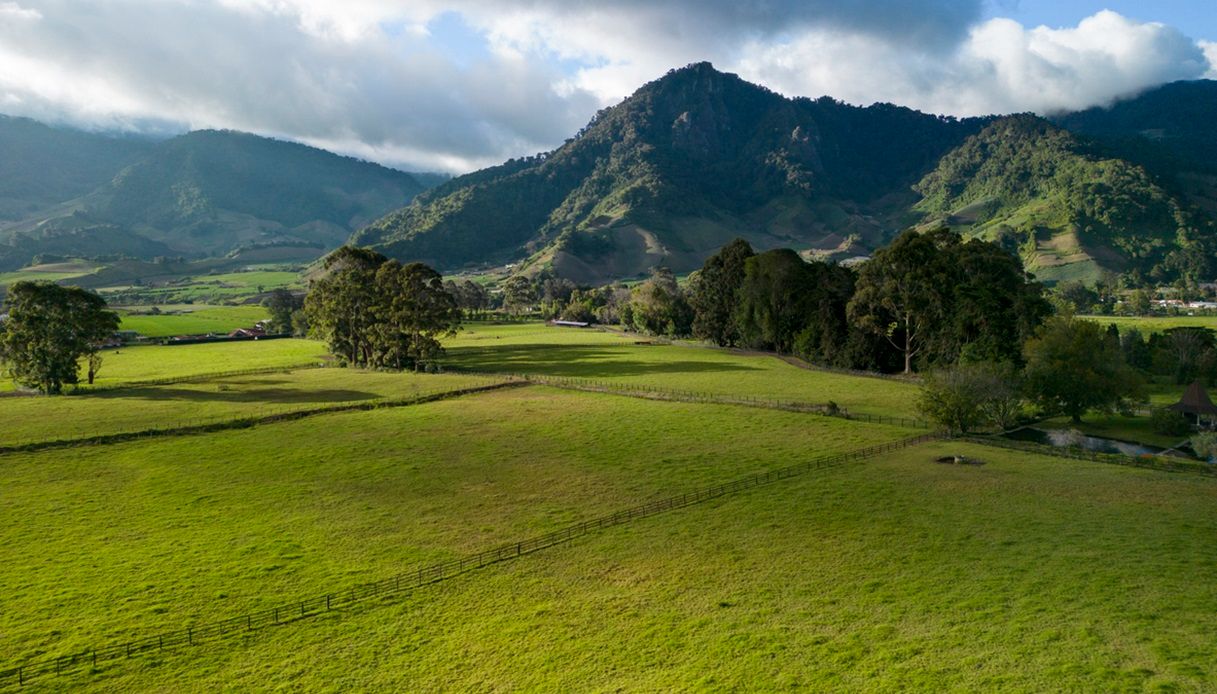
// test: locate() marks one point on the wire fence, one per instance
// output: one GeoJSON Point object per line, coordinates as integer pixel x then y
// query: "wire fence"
{"type": "Point", "coordinates": [247, 418]}
{"type": "Point", "coordinates": [694, 396]}
{"type": "Point", "coordinates": [197, 635]}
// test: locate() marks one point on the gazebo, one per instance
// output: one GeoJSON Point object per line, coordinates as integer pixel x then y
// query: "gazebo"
{"type": "Point", "coordinates": [1197, 406]}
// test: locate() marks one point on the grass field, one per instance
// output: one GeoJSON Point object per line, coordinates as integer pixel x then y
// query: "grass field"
{"type": "Point", "coordinates": [153, 534]}
{"type": "Point", "coordinates": [535, 348]}
{"type": "Point", "coordinates": [211, 319]}
{"type": "Point", "coordinates": [1155, 324]}
{"type": "Point", "coordinates": [1025, 574]}
{"type": "Point", "coordinates": [50, 272]}
{"type": "Point", "coordinates": [210, 401]}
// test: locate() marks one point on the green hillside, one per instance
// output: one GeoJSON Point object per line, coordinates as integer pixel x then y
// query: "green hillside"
{"type": "Point", "coordinates": [685, 164]}
{"type": "Point", "coordinates": [1071, 211]}
{"type": "Point", "coordinates": [699, 157]}
{"type": "Point", "coordinates": [203, 194]}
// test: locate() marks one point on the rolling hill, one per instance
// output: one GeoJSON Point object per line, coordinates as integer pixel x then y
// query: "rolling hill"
{"type": "Point", "coordinates": [200, 195]}
{"type": "Point", "coordinates": [698, 157]}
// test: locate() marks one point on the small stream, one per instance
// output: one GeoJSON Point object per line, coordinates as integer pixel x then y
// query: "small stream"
{"type": "Point", "coordinates": [1063, 438]}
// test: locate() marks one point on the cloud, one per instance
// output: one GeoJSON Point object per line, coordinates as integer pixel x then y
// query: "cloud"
{"type": "Point", "coordinates": [458, 84]}
{"type": "Point", "coordinates": [1000, 67]}
{"type": "Point", "coordinates": [1210, 52]}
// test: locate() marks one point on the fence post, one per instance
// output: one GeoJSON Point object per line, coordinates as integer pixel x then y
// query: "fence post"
{"type": "Point", "coordinates": [189, 637]}
{"type": "Point", "coordinates": [327, 601]}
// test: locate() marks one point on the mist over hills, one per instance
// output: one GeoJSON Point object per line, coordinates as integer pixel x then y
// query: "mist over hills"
{"type": "Point", "coordinates": [699, 156]}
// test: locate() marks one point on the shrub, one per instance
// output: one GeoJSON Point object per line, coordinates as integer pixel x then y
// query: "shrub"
{"type": "Point", "coordinates": [1170, 423]}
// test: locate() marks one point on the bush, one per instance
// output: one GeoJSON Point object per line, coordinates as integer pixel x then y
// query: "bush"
{"type": "Point", "coordinates": [1170, 423]}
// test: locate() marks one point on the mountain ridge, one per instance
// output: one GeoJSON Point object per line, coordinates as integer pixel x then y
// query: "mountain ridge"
{"type": "Point", "coordinates": [698, 157]}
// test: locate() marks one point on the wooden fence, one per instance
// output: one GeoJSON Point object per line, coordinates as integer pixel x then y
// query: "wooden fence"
{"type": "Point", "coordinates": [201, 634]}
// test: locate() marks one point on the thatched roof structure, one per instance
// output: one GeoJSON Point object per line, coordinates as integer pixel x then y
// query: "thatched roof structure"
{"type": "Point", "coordinates": [1196, 401]}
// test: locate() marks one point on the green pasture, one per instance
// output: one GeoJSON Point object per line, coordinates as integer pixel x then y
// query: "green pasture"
{"type": "Point", "coordinates": [50, 272]}
{"type": "Point", "coordinates": [212, 319]}
{"type": "Point", "coordinates": [109, 542]}
{"type": "Point", "coordinates": [128, 365]}
{"type": "Point", "coordinates": [1023, 574]}
{"type": "Point", "coordinates": [209, 401]}
{"type": "Point", "coordinates": [1148, 325]}
{"type": "Point", "coordinates": [616, 358]}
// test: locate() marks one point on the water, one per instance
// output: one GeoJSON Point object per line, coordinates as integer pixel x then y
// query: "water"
{"type": "Point", "coordinates": [1064, 439]}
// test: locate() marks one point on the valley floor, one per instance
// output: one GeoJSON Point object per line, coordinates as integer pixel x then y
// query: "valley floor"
{"type": "Point", "coordinates": [897, 572]}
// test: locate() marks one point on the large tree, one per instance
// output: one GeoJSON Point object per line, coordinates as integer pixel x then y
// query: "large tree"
{"type": "Point", "coordinates": [658, 306]}
{"type": "Point", "coordinates": [938, 300]}
{"type": "Point", "coordinates": [1074, 366]}
{"type": "Point", "coordinates": [48, 330]}
{"type": "Point", "coordinates": [282, 304]}
{"type": "Point", "coordinates": [715, 294]}
{"type": "Point", "coordinates": [902, 290]}
{"type": "Point", "coordinates": [379, 313]}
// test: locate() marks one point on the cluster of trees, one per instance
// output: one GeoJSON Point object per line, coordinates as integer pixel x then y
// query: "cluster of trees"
{"type": "Point", "coordinates": [1068, 367]}
{"type": "Point", "coordinates": [376, 312]}
{"type": "Point", "coordinates": [927, 299]}
{"type": "Point", "coordinates": [46, 332]}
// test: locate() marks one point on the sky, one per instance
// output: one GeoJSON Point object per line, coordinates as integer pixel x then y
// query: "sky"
{"type": "Point", "coordinates": [456, 85]}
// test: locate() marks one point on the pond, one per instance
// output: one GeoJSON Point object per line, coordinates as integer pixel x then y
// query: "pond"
{"type": "Point", "coordinates": [1064, 438]}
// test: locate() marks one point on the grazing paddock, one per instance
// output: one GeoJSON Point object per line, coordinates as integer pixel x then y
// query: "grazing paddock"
{"type": "Point", "coordinates": [611, 357]}
{"type": "Point", "coordinates": [1024, 573]}
{"type": "Point", "coordinates": [211, 401]}
{"type": "Point", "coordinates": [1155, 324]}
{"type": "Point", "coordinates": [107, 542]}
{"type": "Point", "coordinates": [128, 365]}
{"type": "Point", "coordinates": [213, 319]}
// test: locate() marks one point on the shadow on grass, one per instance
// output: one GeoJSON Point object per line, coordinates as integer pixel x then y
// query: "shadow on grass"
{"type": "Point", "coordinates": [578, 361]}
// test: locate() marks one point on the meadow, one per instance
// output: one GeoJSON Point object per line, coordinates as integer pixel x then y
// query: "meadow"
{"type": "Point", "coordinates": [203, 320]}
{"type": "Point", "coordinates": [212, 400]}
{"type": "Point", "coordinates": [237, 520]}
{"type": "Point", "coordinates": [1026, 573]}
{"type": "Point", "coordinates": [1148, 325]}
{"type": "Point", "coordinates": [615, 358]}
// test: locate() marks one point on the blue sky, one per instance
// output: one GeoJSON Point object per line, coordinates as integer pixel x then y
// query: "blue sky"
{"type": "Point", "coordinates": [1196, 18]}
{"type": "Point", "coordinates": [454, 85]}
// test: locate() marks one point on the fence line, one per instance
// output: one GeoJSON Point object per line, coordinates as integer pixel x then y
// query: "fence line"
{"type": "Point", "coordinates": [224, 423]}
{"type": "Point", "coordinates": [691, 396]}
{"type": "Point", "coordinates": [1149, 462]}
{"type": "Point", "coordinates": [85, 389]}
{"type": "Point", "coordinates": [428, 574]}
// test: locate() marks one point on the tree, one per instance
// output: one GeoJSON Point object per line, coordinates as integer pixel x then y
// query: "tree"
{"type": "Point", "coordinates": [518, 294]}
{"type": "Point", "coordinates": [658, 306]}
{"type": "Point", "coordinates": [339, 305]}
{"type": "Point", "coordinates": [715, 294]}
{"type": "Point", "coordinates": [49, 329]}
{"type": "Point", "coordinates": [282, 304]}
{"type": "Point", "coordinates": [966, 396]}
{"type": "Point", "coordinates": [1205, 445]}
{"type": "Point", "coordinates": [900, 292]}
{"type": "Point", "coordinates": [1073, 366]}
{"type": "Point", "coordinates": [375, 312]}
{"type": "Point", "coordinates": [412, 311]}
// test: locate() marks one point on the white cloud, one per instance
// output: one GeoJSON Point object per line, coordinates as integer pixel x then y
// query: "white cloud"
{"type": "Point", "coordinates": [376, 78]}
{"type": "Point", "coordinates": [1000, 67]}
{"type": "Point", "coordinates": [1210, 52]}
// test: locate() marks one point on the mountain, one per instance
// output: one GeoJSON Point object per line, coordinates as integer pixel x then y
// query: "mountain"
{"type": "Point", "coordinates": [1072, 210]}
{"type": "Point", "coordinates": [41, 166]}
{"type": "Point", "coordinates": [202, 194]}
{"type": "Point", "coordinates": [698, 157]}
{"type": "Point", "coordinates": [685, 164]}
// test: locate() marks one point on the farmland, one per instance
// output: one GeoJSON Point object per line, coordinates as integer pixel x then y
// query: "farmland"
{"type": "Point", "coordinates": [1024, 573]}
{"type": "Point", "coordinates": [192, 320]}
